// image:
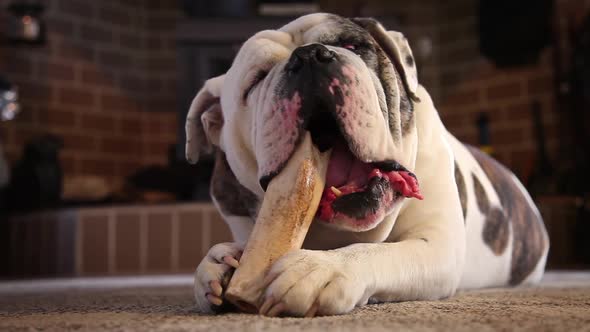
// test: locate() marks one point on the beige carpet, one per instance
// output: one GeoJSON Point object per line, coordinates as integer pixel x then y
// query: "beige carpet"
{"type": "Point", "coordinates": [560, 303]}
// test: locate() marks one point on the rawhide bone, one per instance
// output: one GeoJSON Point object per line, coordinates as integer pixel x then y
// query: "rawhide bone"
{"type": "Point", "coordinates": [290, 204]}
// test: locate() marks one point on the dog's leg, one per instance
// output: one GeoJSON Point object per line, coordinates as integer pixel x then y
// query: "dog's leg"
{"type": "Point", "coordinates": [422, 266]}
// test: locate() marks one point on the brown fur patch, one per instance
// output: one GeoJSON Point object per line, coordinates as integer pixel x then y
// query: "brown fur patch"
{"type": "Point", "coordinates": [496, 231]}
{"type": "Point", "coordinates": [233, 198]}
{"type": "Point", "coordinates": [529, 241]}
{"type": "Point", "coordinates": [462, 190]}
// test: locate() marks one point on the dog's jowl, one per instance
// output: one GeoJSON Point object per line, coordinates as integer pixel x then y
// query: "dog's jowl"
{"type": "Point", "coordinates": [407, 213]}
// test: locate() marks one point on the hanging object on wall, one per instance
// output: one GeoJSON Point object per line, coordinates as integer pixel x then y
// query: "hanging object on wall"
{"type": "Point", "coordinates": [513, 33]}
{"type": "Point", "coordinates": [9, 106]}
{"type": "Point", "coordinates": [483, 133]}
{"type": "Point", "coordinates": [25, 24]}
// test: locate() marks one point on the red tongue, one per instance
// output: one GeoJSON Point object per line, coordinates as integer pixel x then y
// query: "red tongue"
{"type": "Point", "coordinates": [344, 169]}
{"type": "Point", "coordinates": [405, 183]}
{"type": "Point", "coordinates": [348, 175]}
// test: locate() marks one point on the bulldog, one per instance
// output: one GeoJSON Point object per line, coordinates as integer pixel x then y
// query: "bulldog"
{"type": "Point", "coordinates": [408, 211]}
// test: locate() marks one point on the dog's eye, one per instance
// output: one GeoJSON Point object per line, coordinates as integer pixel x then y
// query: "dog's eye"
{"type": "Point", "coordinates": [257, 79]}
{"type": "Point", "coordinates": [356, 47]}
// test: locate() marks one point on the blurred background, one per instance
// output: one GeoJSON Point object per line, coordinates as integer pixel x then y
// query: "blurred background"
{"type": "Point", "coordinates": [93, 96]}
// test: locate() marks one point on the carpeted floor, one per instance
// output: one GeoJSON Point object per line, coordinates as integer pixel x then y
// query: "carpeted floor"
{"type": "Point", "coordinates": [560, 303]}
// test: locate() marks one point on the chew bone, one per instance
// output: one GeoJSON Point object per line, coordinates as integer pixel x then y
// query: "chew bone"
{"type": "Point", "coordinates": [289, 206]}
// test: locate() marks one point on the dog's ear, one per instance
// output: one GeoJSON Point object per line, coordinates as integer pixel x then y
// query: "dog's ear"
{"type": "Point", "coordinates": [204, 120]}
{"type": "Point", "coordinates": [397, 48]}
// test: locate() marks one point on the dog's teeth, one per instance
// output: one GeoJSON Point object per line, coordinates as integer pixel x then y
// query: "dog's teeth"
{"type": "Point", "coordinates": [336, 192]}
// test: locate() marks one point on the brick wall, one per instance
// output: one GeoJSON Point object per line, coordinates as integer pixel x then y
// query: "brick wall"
{"type": "Point", "coordinates": [470, 84]}
{"type": "Point", "coordinates": [105, 82]}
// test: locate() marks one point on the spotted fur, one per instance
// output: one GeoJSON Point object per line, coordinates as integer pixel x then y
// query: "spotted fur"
{"type": "Point", "coordinates": [528, 240]}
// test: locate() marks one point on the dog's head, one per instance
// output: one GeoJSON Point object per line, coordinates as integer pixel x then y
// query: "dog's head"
{"type": "Point", "coordinates": [349, 82]}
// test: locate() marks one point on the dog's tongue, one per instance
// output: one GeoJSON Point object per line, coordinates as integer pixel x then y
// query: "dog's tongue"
{"type": "Point", "coordinates": [346, 174]}
{"type": "Point", "coordinates": [344, 169]}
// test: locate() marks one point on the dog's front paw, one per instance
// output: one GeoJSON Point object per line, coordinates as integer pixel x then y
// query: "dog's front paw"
{"type": "Point", "coordinates": [306, 283]}
{"type": "Point", "coordinates": [213, 275]}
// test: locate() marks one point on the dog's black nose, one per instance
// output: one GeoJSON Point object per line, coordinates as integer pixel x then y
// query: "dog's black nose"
{"type": "Point", "coordinates": [312, 54]}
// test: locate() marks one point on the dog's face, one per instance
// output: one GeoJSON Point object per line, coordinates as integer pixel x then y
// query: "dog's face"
{"type": "Point", "coordinates": [350, 83]}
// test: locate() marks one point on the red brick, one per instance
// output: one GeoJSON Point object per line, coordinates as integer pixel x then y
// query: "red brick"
{"type": "Point", "coordinates": [113, 102]}
{"type": "Point", "coordinates": [540, 85]}
{"type": "Point", "coordinates": [519, 111]}
{"type": "Point", "coordinates": [97, 166]}
{"type": "Point", "coordinates": [60, 26]}
{"type": "Point", "coordinates": [132, 3]}
{"type": "Point", "coordinates": [162, 22]}
{"type": "Point", "coordinates": [30, 115]}
{"type": "Point", "coordinates": [503, 157]}
{"type": "Point", "coordinates": [133, 83]}
{"type": "Point", "coordinates": [115, 16]}
{"type": "Point", "coordinates": [456, 120]}
{"type": "Point", "coordinates": [99, 122]}
{"type": "Point", "coordinates": [114, 59]}
{"type": "Point", "coordinates": [161, 104]}
{"type": "Point", "coordinates": [162, 63]}
{"type": "Point", "coordinates": [121, 146]}
{"type": "Point", "coordinates": [158, 148]}
{"type": "Point", "coordinates": [55, 71]}
{"type": "Point", "coordinates": [69, 50]}
{"type": "Point", "coordinates": [35, 92]}
{"type": "Point", "coordinates": [81, 8]}
{"type": "Point", "coordinates": [93, 76]}
{"type": "Point", "coordinates": [79, 142]}
{"type": "Point", "coordinates": [6, 132]}
{"type": "Point", "coordinates": [96, 34]}
{"type": "Point", "coordinates": [507, 136]}
{"type": "Point", "coordinates": [162, 5]}
{"type": "Point", "coordinates": [130, 40]}
{"type": "Point", "coordinates": [155, 84]}
{"type": "Point", "coordinates": [17, 65]}
{"type": "Point", "coordinates": [23, 135]}
{"type": "Point", "coordinates": [463, 98]}
{"type": "Point", "coordinates": [153, 42]}
{"type": "Point", "coordinates": [76, 96]}
{"type": "Point", "coordinates": [171, 87]}
{"type": "Point", "coordinates": [522, 161]}
{"type": "Point", "coordinates": [131, 126]}
{"type": "Point", "coordinates": [57, 117]}
{"type": "Point", "coordinates": [126, 168]}
{"type": "Point", "coordinates": [68, 163]}
{"type": "Point", "coordinates": [504, 91]}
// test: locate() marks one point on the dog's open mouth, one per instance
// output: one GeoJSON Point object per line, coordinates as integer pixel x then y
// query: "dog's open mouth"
{"type": "Point", "coordinates": [356, 191]}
